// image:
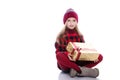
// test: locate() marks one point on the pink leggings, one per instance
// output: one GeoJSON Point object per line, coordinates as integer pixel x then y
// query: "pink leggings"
{"type": "Point", "coordinates": [65, 64]}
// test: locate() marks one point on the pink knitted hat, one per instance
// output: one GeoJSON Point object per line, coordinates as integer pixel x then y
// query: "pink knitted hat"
{"type": "Point", "coordinates": [70, 13]}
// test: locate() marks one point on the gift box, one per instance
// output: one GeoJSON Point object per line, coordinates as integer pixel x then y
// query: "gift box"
{"type": "Point", "coordinates": [81, 51]}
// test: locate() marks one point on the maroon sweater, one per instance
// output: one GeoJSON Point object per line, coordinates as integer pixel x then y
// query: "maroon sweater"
{"type": "Point", "coordinates": [69, 36]}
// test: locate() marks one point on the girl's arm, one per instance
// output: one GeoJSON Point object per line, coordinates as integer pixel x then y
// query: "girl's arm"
{"type": "Point", "coordinates": [60, 49]}
{"type": "Point", "coordinates": [56, 47]}
{"type": "Point", "coordinates": [82, 39]}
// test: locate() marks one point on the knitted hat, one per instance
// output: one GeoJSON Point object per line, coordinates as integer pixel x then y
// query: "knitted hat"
{"type": "Point", "coordinates": [70, 13]}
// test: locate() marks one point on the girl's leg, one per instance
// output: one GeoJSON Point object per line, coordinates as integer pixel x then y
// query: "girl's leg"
{"type": "Point", "coordinates": [92, 63]}
{"type": "Point", "coordinates": [64, 62]}
{"type": "Point", "coordinates": [86, 69]}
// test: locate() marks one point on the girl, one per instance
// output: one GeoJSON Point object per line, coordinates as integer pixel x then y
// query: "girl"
{"type": "Point", "coordinates": [71, 33]}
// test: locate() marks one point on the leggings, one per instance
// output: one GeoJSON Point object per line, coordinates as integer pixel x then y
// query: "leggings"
{"type": "Point", "coordinates": [65, 64]}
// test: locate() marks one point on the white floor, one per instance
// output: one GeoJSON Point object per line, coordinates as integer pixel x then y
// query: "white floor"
{"type": "Point", "coordinates": [63, 76]}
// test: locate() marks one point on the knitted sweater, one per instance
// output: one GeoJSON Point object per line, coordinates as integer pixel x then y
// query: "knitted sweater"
{"type": "Point", "coordinates": [69, 36]}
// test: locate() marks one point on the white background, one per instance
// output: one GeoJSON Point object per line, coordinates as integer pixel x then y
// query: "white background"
{"type": "Point", "coordinates": [28, 29]}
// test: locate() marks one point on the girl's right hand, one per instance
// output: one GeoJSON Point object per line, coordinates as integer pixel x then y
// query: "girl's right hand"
{"type": "Point", "coordinates": [70, 57]}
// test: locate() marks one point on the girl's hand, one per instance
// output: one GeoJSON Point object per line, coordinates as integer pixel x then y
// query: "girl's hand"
{"type": "Point", "coordinates": [70, 58]}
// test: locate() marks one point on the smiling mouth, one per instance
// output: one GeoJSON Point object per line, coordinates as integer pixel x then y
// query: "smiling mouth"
{"type": "Point", "coordinates": [71, 25]}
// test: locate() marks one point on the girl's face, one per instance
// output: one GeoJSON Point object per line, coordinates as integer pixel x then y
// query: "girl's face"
{"type": "Point", "coordinates": [71, 23]}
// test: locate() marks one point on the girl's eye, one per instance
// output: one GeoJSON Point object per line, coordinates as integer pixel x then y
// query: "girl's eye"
{"type": "Point", "coordinates": [68, 20]}
{"type": "Point", "coordinates": [74, 20]}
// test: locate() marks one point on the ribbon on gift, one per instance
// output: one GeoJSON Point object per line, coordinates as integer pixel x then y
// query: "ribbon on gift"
{"type": "Point", "coordinates": [78, 50]}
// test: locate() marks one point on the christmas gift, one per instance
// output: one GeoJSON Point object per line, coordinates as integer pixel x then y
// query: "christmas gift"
{"type": "Point", "coordinates": [81, 51]}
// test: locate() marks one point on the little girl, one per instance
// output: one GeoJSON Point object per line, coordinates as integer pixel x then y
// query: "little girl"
{"type": "Point", "coordinates": [70, 33]}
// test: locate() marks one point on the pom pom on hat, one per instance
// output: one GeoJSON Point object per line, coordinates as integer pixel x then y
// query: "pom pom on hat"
{"type": "Point", "coordinates": [70, 13]}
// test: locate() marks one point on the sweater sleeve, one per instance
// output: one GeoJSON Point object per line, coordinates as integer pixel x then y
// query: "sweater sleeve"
{"type": "Point", "coordinates": [82, 39]}
{"type": "Point", "coordinates": [57, 47]}
{"type": "Point", "coordinates": [60, 49]}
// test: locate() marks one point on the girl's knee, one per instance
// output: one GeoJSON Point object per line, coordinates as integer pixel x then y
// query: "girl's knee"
{"type": "Point", "coordinates": [100, 57]}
